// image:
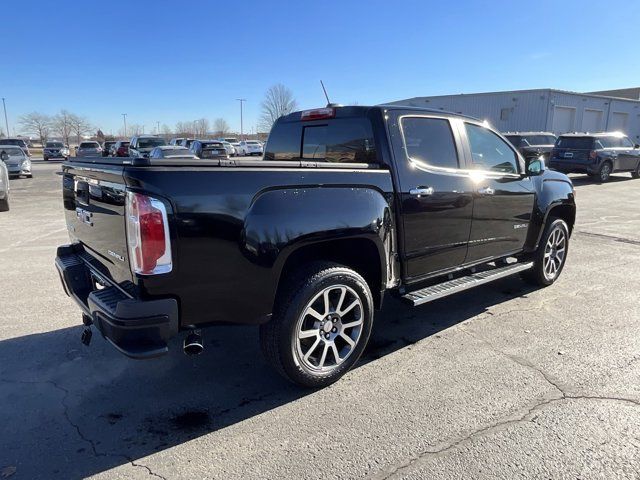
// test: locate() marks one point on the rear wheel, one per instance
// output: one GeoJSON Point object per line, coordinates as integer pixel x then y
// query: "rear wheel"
{"type": "Point", "coordinates": [550, 257]}
{"type": "Point", "coordinates": [605, 172]}
{"type": "Point", "coordinates": [4, 204]}
{"type": "Point", "coordinates": [636, 172]}
{"type": "Point", "coordinates": [321, 325]}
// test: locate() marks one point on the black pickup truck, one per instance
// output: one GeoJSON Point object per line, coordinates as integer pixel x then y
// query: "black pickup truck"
{"type": "Point", "coordinates": [348, 203]}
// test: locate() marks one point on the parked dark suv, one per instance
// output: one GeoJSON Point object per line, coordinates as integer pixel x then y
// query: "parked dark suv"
{"type": "Point", "coordinates": [532, 144]}
{"type": "Point", "coordinates": [208, 149]}
{"type": "Point", "coordinates": [596, 154]}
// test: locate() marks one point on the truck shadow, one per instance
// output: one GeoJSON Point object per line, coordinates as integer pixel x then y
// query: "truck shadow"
{"type": "Point", "coordinates": [587, 180]}
{"type": "Point", "coordinates": [70, 412]}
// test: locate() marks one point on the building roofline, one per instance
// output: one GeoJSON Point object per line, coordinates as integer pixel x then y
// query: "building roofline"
{"type": "Point", "coordinates": [546, 90]}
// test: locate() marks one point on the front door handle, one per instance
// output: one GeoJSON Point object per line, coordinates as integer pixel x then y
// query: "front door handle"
{"type": "Point", "coordinates": [486, 191]}
{"type": "Point", "coordinates": [420, 191]}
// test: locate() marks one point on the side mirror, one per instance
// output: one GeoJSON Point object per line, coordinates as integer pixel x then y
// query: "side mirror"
{"type": "Point", "coordinates": [636, 146]}
{"type": "Point", "coordinates": [535, 166]}
{"type": "Point", "coordinates": [4, 156]}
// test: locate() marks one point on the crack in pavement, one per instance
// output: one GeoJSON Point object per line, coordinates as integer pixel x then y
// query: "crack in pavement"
{"type": "Point", "coordinates": [76, 427]}
{"type": "Point", "coordinates": [526, 416]}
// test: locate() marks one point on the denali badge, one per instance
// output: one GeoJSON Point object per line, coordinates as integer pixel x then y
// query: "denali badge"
{"type": "Point", "coordinates": [115, 255]}
{"type": "Point", "coordinates": [520, 225]}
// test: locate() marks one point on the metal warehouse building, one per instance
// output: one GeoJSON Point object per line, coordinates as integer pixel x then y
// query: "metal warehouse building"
{"type": "Point", "coordinates": [547, 110]}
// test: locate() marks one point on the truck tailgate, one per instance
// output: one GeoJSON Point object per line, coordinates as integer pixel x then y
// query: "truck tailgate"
{"type": "Point", "coordinates": [94, 203]}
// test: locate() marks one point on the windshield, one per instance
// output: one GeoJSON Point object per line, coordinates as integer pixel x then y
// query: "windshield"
{"type": "Point", "coordinates": [252, 143]}
{"type": "Point", "coordinates": [89, 145]}
{"type": "Point", "coordinates": [212, 145]}
{"type": "Point", "coordinates": [578, 143]}
{"type": "Point", "coordinates": [12, 151]}
{"type": "Point", "coordinates": [540, 139]}
{"type": "Point", "coordinates": [151, 142]}
{"type": "Point", "coordinates": [54, 145]}
{"type": "Point", "coordinates": [231, 140]}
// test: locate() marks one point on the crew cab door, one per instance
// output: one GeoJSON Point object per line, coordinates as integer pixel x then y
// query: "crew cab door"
{"type": "Point", "coordinates": [503, 195]}
{"type": "Point", "coordinates": [435, 194]}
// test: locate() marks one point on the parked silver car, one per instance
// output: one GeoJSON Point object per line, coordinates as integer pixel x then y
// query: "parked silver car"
{"type": "Point", "coordinates": [89, 149]}
{"type": "Point", "coordinates": [4, 185]}
{"type": "Point", "coordinates": [250, 147]}
{"type": "Point", "coordinates": [231, 150]}
{"type": "Point", "coordinates": [171, 151]}
{"type": "Point", "coordinates": [16, 161]}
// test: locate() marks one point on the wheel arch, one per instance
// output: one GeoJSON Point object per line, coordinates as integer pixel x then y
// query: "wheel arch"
{"type": "Point", "coordinates": [362, 254]}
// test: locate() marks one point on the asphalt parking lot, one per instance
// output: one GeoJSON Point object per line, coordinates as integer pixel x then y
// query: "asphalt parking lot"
{"type": "Point", "coordinates": [503, 381]}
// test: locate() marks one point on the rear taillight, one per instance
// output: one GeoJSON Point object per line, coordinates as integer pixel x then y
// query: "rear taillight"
{"type": "Point", "coordinates": [147, 235]}
{"type": "Point", "coordinates": [593, 155]}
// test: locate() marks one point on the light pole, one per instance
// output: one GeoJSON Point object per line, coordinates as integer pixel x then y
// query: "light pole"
{"type": "Point", "coordinates": [158, 127]}
{"type": "Point", "coordinates": [124, 117]}
{"type": "Point", "coordinates": [241, 100]}
{"type": "Point", "coordinates": [6, 122]}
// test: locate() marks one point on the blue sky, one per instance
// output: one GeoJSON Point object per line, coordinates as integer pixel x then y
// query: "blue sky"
{"type": "Point", "coordinates": [175, 61]}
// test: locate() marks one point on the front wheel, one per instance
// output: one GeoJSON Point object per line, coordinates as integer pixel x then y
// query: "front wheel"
{"type": "Point", "coordinates": [4, 204]}
{"type": "Point", "coordinates": [551, 255]}
{"type": "Point", "coordinates": [321, 325]}
{"type": "Point", "coordinates": [605, 172]}
{"type": "Point", "coordinates": [636, 172]}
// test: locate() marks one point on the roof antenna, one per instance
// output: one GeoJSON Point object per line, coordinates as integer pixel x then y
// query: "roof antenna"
{"type": "Point", "coordinates": [329, 104]}
{"type": "Point", "coordinates": [325, 93]}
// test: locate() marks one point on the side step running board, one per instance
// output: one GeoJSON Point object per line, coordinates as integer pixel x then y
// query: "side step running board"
{"type": "Point", "coordinates": [434, 292]}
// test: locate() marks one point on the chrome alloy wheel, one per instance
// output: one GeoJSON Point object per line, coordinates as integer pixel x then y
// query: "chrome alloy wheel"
{"type": "Point", "coordinates": [554, 253]}
{"type": "Point", "coordinates": [329, 329]}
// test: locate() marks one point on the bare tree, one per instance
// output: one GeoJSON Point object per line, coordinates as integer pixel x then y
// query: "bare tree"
{"type": "Point", "coordinates": [62, 125]}
{"type": "Point", "coordinates": [80, 126]}
{"type": "Point", "coordinates": [166, 130]}
{"type": "Point", "coordinates": [184, 129]}
{"type": "Point", "coordinates": [201, 127]}
{"type": "Point", "coordinates": [278, 101]}
{"type": "Point", "coordinates": [38, 124]}
{"type": "Point", "coordinates": [220, 127]}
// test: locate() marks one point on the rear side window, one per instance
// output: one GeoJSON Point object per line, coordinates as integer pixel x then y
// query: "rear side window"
{"type": "Point", "coordinates": [489, 151]}
{"type": "Point", "coordinates": [578, 143]}
{"type": "Point", "coordinates": [430, 140]}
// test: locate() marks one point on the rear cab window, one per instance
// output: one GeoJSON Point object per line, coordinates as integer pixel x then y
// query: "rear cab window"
{"type": "Point", "coordinates": [335, 140]}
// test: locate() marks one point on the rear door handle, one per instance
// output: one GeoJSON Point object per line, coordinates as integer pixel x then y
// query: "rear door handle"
{"type": "Point", "coordinates": [420, 191]}
{"type": "Point", "coordinates": [486, 191]}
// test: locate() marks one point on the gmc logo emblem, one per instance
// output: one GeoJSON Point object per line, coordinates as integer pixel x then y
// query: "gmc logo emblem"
{"type": "Point", "coordinates": [84, 216]}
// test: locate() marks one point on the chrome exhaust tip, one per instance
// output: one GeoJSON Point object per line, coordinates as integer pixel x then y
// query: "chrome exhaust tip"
{"type": "Point", "coordinates": [192, 344]}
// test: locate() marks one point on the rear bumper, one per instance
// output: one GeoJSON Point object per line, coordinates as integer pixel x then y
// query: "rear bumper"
{"type": "Point", "coordinates": [573, 167]}
{"type": "Point", "coordinates": [137, 328]}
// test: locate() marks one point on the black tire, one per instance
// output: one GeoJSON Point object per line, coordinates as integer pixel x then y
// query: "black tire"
{"type": "Point", "coordinates": [605, 172]}
{"type": "Point", "coordinates": [45, 158]}
{"type": "Point", "coordinates": [4, 205]}
{"type": "Point", "coordinates": [540, 275]}
{"type": "Point", "coordinates": [279, 339]}
{"type": "Point", "coordinates": [636, 172]}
